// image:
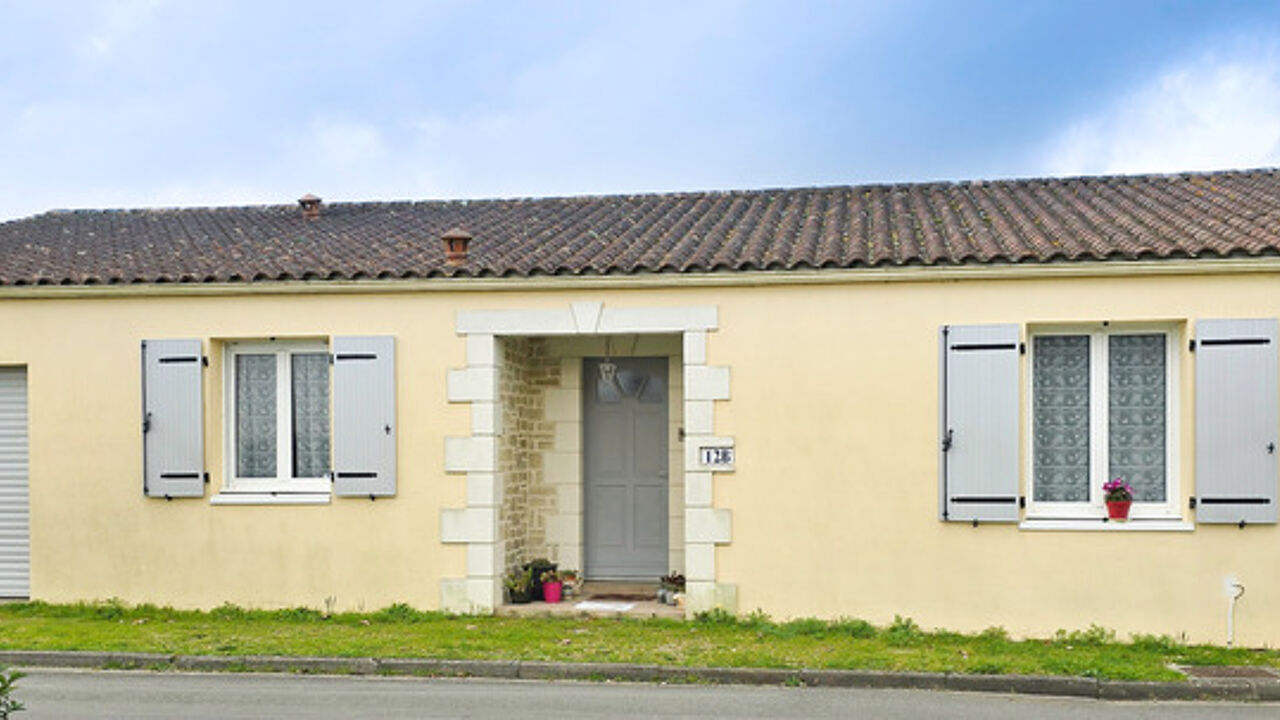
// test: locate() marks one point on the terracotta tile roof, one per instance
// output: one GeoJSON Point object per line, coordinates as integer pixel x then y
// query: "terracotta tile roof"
{"type": "Point", "coordinates": [931, 224]}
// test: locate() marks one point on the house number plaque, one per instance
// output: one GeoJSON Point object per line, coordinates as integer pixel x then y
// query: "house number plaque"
{"type": "Point", "coordinates": [719, 456]}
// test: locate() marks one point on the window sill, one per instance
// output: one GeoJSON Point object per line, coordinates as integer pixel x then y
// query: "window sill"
{"type": "Point", "coordinates": [1098, 524]}
{"type": "Point", "coordinates": [265, 498]}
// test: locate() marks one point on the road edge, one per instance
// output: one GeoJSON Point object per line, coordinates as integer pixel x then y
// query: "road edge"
{"type": "Point", "coordinates": [1231, 689]}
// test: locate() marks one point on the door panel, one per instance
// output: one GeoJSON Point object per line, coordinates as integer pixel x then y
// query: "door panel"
{"type": "Point", "coordinates": [647, 515]}
{"type": "Point", "coordinates": [625, 462]}
{"type": "Point", "coordinates": [610, 504]}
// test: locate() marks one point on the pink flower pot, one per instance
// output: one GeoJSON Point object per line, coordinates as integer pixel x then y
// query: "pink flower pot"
{"type": "Point", "coordinates": [551, 591]}
{"type": "Point", "coordinates": [1118, 509]}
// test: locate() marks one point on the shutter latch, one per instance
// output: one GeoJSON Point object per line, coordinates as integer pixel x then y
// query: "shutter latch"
{"type": "Point", "coordinates": [946, 441]}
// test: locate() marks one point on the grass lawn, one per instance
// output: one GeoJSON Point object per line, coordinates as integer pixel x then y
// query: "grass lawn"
{"type": "Point", "coordinates": [717, 640]}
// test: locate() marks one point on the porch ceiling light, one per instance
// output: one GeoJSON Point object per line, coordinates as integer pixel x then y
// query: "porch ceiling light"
{"type": "Point", "coordinates": [608, 370]}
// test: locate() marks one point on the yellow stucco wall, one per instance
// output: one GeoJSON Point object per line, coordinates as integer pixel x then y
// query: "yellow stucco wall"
{"type": "Point", "coordinates": [857, 380]}
{"type": "Point", "coordinates": [834, 500]}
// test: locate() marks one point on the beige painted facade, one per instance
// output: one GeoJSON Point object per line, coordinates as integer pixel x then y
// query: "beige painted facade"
{"type": "Point", "coordinates": [827, 386]}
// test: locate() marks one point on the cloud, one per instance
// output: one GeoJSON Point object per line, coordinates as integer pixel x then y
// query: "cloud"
{"type": "Point", "coordinates": [1209, 113]}
{"type": "Point", "coordinates": [121, 20]}
{"type": "Point", "coordinates": [346, 144]}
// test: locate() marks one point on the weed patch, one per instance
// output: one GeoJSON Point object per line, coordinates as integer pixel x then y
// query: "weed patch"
{"type": "Point", "coordinates": [903, 631]}
{"type": "Point", "coordinates": [8, 684]}
{"type": "Point", "coordinates": [1095, 636]}
{"type": "Point", "coordinates": [853, 627]}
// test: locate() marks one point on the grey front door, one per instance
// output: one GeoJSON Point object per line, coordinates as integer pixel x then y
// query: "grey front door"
{"type": "Point", "coordinates": [625, 462]}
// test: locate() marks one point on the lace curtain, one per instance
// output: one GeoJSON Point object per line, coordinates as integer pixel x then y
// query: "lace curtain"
{"type": "Point", "coordinates": [310, 415]}
{"type": "Point", "coordinates": [255, 416]}
{"type": "Point", "coordinates": [1135, 419]}
{"type": "Point", "coordinates": [1060, 417]}
{"type": "Point", "coordinates": [1136, 429]}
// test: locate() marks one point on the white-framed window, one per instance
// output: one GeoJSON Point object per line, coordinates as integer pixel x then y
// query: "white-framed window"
{"type": "Point", "coordinates": [277, 416]}
{"type": "Point", "coordinates": [1102, 404]}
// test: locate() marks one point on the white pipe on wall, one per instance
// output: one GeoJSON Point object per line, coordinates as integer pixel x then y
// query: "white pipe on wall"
{"type": "Point", "coordinates": [1231, 612]}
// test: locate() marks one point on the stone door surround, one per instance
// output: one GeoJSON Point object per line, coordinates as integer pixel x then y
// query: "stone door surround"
{"type": "Point", "coordinates": [476, 455]}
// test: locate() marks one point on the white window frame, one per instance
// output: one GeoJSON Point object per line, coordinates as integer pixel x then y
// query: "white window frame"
{"type": "Point", "coordinates": [283, 350]}
{"type": "Point", "coordinates": [1095, 507]}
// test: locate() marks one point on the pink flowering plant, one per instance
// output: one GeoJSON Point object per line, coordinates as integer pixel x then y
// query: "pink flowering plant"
{"type": "Point", "coordinates": [1118, 491]}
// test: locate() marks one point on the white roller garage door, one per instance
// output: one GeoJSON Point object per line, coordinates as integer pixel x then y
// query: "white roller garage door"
{"type": "Point", "coordinates": [15, 529]}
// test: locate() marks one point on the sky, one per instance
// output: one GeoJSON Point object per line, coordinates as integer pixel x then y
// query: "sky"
{"type": "Point", "coordinates": [161, 103]}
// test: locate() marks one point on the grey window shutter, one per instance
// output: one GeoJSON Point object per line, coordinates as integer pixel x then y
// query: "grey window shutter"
{"type": "Point", "coordinates": [978, 423]}
{"type": "Point", "coordinates": [1236, 427]}
{"type": "Point", "coordinates": [172, 419]}
{"type": "Point", "coordinates": [364, 416]}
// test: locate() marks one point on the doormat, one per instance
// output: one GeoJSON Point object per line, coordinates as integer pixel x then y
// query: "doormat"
{"type": "Point", "coordinates": [633, 597]}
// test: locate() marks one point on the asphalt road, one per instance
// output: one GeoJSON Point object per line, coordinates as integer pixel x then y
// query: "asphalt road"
{"type": "Point", "coordinates": [115, 694]}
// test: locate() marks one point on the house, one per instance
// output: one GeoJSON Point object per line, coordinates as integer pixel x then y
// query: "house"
{"type": "Point", "coordinates": [849, 401]}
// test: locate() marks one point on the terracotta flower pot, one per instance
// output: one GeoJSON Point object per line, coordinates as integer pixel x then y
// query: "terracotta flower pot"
{"type": "Point", "coordinates": [1118, 509]}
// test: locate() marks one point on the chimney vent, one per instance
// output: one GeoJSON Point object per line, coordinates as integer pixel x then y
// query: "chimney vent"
{"type": "Point", "coordinates": [455, 246]}
{"type": "Point", "coordinates": [310, 206]}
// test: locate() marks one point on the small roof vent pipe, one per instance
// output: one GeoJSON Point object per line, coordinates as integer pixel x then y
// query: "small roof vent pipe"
{"type": "Point", "coordinates": [456, 242]}
{"type": "Point", "coordinates": [310, 205]}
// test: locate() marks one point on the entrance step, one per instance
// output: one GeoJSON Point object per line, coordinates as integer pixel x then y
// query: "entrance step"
{"type": "Point", "coordinates": [602, 599]}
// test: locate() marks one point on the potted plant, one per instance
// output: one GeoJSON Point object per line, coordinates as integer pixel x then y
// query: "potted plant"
{"type": "Point", "coordinates": [570, 581]}
{"type": "Point", "coordinates": [552, 584]}
{"type": "Point", "coordinates": [537, 566]}
{"type": "Point", "coordinates": [519, 582]}
{"type": "Point", "coordinates": [669, 586]}
{"type": "Point", "coordinates": [1119, 497]}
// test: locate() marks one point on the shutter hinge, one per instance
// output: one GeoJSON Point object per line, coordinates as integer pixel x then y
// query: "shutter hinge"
{"type": "Point", "coordinates": [204, 360]}
{"type": "Point", "coordinates": [947, 441]}
{"type": "Point", "coordinates": [206, 478]}
{"type": "Point", "coordinates": [1193, 502]}
{"type": "Point", "coordinates": [1192, 345]}
{"type": "Point", "coordinates": [1022, 348]}
{"type": "Point", "coordinates": [146, 422]}
{"type": "Point", "coordinates": [1022, 501]}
